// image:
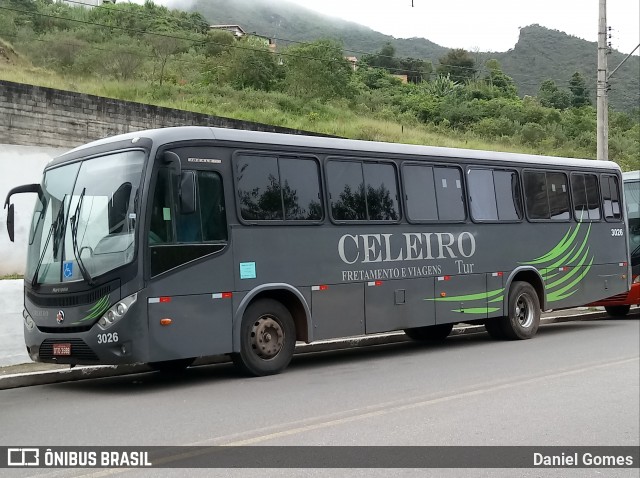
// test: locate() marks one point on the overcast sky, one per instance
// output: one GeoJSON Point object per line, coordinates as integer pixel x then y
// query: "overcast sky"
{"type": "Point", "coordinates": [487, 25]}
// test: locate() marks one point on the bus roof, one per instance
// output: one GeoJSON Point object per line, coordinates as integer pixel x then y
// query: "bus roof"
{"type": "Point", "coordinates": [631, 176]}
{"type": "Point", "coordinates": [185, 133]}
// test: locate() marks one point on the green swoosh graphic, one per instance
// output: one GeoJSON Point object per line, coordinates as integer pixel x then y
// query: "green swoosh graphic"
{"type": "Point", "coordinates": [559, 249]}
{"type": "Point", "coordinates": [97, 310]}
{"type": "Point", "coordinates": [558, 294]}
{"type": "Point", "coordinates": [479, 296]}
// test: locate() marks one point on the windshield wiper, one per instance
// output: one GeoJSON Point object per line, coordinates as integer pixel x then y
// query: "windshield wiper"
{"type": "Point", "coordinates": [56, 227]}
{"type": "Point", "coordinates": [75, 219]}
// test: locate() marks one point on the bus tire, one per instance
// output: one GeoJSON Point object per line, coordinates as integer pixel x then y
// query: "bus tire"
{"type": "Point", "coordinates": [494, 328]}
{"type": "Point", "coordinates": [267, 339]}
{"type": "Point", "coordinates": [524, 312]}
{"type": "Point", "coordinates": [171, 367]}
{"type": "Point", "coordinates": [431, 333]}
{"type": "Point", "coordinates": [617, 310]}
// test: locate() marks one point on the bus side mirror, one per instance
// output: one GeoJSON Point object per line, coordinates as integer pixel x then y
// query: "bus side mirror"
{"type": "Point", "coordinates": [10, 226]}
{"type": "Point", "coordinates": [188, 192]}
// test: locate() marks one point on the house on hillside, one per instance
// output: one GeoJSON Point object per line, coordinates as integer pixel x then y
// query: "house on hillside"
{"type": "Point", "coordinates": [238, 32]}
{"type": "Point", "coordinates": [89, 3]}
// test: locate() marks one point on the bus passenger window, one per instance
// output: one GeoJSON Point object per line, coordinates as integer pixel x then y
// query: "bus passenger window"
{"type": "Point", "coordinates": [259, 188]}
{"type": "Point", "coordinates": [611, 198]}
{"type": "Point", "coordinates": [346, 190]}
{"type": "Point", "coordinates": [361, 191]}
{"type": "Point", "coordinates": [547, 195]}
{"type": "Point", "coordinates": [586, 198]}
{"type": "Point", "coordinates": [449, 193]}
{"type": "Point", "coordinates": [382, 192]}
{"type": "Point", "coordinates": [421, 194]}
{"type": "Point", "coordinates": [508, 195]}
{"type": "Point", "coordinates": [558, 196]}
{"type": "Point", "coordinates": [300, 184]}
{"type": "Point", "coordinates": [482, 194]}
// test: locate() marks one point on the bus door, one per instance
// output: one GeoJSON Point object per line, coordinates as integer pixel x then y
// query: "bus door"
{"type": "Point", "coordinates": [190, 296]}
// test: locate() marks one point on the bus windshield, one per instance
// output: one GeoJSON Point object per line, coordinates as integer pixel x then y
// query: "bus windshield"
{"type": "Point", "coordinates": [84, 222]}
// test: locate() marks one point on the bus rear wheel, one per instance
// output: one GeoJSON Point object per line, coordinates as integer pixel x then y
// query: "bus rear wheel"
{"type": "Point", "coordinates": [431, 333]}
{"type": "Point", "coordinates": [617, 310]}
{"type": "Point", "coordinates": [267, 339]}
{"type": "Point", "coordinates": [524, 312]}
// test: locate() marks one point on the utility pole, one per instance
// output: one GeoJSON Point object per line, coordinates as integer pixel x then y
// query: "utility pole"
{"type": "Point", "coordinates": [602, 86]}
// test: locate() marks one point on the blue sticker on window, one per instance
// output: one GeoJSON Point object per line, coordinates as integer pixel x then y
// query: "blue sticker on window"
{"type": "Point", "coordinates": [247, 270]}
{"type": "Point", "coordinates": [67, 270]}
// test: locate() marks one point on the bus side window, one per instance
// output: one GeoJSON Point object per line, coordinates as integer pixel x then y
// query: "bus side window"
{"type": "Point", "coordinates": [161, 226]}
{"type": "Point", "coordinates": [611, 198]}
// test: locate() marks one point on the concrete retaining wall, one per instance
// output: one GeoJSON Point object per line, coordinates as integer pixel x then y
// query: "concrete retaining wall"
{"type": "Point", "coordinates": [37, 116]}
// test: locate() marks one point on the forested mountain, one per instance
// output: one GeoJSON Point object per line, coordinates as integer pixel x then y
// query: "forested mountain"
{"type": "Point", "coordinates": [540, 53]}
{"type": "Point", "coordinates": [155, 55]}
{"type": "Point", "coordinates": [287, 21]}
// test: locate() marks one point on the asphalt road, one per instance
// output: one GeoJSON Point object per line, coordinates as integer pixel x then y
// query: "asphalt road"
{"type": "Point", "coordinates": [576, 383]}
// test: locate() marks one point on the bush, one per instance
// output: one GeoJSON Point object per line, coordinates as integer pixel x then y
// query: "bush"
{"type": "Point", "coordinates": [532, 133]}
{"type": "Point", "coordinates": [495, 127]}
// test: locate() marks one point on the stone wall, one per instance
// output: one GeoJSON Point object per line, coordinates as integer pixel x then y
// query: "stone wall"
{"type": "Point", "coordinates": [37, 116]}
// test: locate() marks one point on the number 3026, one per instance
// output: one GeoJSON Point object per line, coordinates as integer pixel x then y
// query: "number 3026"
{"type": "Point", "coordinates": [108, 338]}
{"type": "Point", "coordinates": [616, 232]}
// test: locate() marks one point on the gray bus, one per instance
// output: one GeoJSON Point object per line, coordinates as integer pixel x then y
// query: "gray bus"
{"type": "Point", "coordinates": [166, 245]}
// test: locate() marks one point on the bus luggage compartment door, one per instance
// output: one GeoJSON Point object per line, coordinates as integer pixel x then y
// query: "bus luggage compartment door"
{"type": "Point", "coordinates": [460, 298]}
{"type": "Point", "coordinates": [395, 305]}
{"type": "Point", "coordinates": [189, 326]}
{"type": "Point", "coordinates": [337, 310]}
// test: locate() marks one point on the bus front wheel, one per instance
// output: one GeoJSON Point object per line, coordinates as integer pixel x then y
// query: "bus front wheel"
{"type": "Point", "coordinates": [267, 339]}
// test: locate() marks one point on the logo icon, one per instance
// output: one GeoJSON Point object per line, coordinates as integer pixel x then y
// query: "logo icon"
{"type": "Point", "coordinates": [67, 270]}
{"type": "Point", "coordinates": [23, 457]}
{"type": "Point", "coordinates": [60, 316]}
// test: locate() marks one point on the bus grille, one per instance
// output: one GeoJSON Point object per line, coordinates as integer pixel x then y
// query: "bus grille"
{"type": "Point", "coordinates": [69, 300]}
{"type": "Point", "coordinates": [79, 350]}
{"type": "Point", "coordinates": [64, 330]}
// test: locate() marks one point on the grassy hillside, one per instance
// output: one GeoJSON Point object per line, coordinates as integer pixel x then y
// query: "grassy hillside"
{"type": "Point", "coordinates": [150, 54]}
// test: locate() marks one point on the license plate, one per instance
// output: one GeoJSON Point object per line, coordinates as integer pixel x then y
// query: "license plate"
{"type": "Point", "coordinates": [61, 349]}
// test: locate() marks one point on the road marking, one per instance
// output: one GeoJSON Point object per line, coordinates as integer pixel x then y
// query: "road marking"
{"type": "Point", "coordinates": [339, 418]}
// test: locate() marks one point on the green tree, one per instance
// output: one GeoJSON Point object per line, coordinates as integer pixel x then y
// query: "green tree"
{"type": "Point", "coordinates": [416, 70]}
{"type": "Point", "coordinates": [385, 58]}
{"type": "Point", "coordinates": [218, 42]}
{"type": "Point", "coordinates": [318, 69]}
{"type": "Point", "coordinates": [553, 97]}
{"type": "Point", "coordinates": [496, 77]}
{"type": "Point", "coordinates": [251, 65]}
{"type": "Point", "coordinates": [458, 64]}
{"type": "Point", "coordinates": [579, 91]}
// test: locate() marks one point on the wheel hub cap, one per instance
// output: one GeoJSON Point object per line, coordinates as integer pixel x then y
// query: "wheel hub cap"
{"type": "Point", "coordinates": [267, 337]}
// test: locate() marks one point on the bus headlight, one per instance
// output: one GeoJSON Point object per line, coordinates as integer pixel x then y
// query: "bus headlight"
{"type": "Point", "coordinates": [116, 312]}
{"type": "Point", "coordinates": [636, 280]}
{"type": "Point", "coordinates": [28, 321]}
